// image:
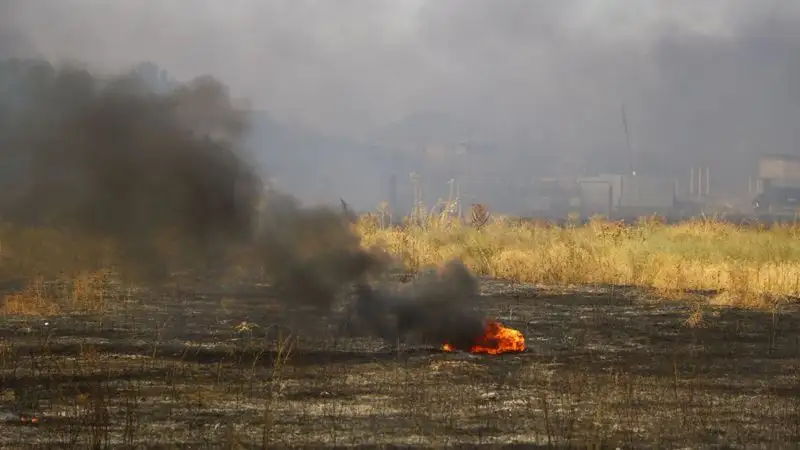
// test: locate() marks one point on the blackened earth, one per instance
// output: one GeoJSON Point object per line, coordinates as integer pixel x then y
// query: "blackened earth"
{"type": "Point", "coordinates": [210, 368]}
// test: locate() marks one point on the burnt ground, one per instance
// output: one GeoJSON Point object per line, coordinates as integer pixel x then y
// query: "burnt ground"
{"type": "Point", "coordinates": [603, 369]}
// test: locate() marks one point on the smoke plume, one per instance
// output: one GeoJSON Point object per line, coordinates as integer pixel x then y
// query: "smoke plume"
{"type": "Point", "coordinates": [432, 309]}
{"type": "Point", "coordinates": [111, 158]}
{"type": "Point", "coordinates": [117, 159]}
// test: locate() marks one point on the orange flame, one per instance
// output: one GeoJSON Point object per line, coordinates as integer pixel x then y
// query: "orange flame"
{"type": "Point", "coordinates": [496, 339]}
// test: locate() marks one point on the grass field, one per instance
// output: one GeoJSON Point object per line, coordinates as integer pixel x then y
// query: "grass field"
{"type": "Point", "coordinates": [727, 263]}
{"type": "Point", "coordinates": [221, 363]}
{"type": "Point", "coordinates": [736, 265]}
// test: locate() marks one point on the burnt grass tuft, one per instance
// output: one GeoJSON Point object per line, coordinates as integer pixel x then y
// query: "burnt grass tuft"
{"type": "Point", "coordinates": [228, 370]}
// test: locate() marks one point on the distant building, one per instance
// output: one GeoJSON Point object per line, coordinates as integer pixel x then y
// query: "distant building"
{"type": "Point", "coordinates": [775, 167]}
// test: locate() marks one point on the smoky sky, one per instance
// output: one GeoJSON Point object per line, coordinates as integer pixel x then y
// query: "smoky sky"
{"type": "Point", "coordinates": [702, 82]}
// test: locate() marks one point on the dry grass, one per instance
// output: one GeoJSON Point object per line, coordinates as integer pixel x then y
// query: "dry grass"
{"type": "Point", "coordinates": [47, 272]}
{"type": "Point", "coordinates": [44, 271]}
{"type": "Point", "coordinates": [32, 301]}
{"type": "Point", "coordinates": [85, 292]}
{"type": "Point", "coordinates": [743, 266]}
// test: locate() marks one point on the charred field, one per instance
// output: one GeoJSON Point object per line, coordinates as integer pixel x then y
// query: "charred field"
{"type": "Point", "coordinates": [157, 292]}
{"type": "Point", "coordinates": [210, 368]}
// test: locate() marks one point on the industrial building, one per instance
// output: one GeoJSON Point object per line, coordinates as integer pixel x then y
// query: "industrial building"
{"type": "Point", "coordinates": [608, 195]}
{"type": "Point", "coordinates": [778, 185]}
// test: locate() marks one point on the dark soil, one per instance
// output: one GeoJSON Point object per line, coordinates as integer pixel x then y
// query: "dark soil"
{"type": "Point", "coordinates": [602, 369]}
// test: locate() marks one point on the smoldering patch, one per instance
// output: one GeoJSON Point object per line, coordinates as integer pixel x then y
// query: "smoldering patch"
{"type": "Point", "coordinates": [436, 309]}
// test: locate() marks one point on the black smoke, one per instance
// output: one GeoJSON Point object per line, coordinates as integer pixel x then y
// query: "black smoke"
{"type": "Point", "coordinates": [434, 309]}
{"type": "Point", "coordinates": [122, 160]}
{"type": "Point", "coordinates": [111, 158]}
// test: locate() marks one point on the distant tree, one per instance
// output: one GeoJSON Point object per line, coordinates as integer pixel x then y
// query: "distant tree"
{"type": "Point", "coordinates": [154, 76]}
{"type": "Point", "coordinates": [23, 82]}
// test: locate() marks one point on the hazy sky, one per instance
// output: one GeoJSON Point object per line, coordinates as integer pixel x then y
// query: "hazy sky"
{"type": "Point", "coordinates": [698, 77]}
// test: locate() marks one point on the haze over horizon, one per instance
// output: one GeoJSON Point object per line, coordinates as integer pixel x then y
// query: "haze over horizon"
{"type": "Point", "coordinates": [703, 82]}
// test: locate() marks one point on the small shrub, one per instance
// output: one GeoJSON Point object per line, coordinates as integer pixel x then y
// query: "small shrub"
{"type": "Point", "coordinates": [479, 216]}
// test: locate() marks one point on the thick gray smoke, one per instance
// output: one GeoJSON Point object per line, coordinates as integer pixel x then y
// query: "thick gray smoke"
{"type": "Point", "coordinates": [529, 86]}
{"type": "Point", "coordinates": [433, 309]}
{"type": "Point", "coordinates": [113, 158]}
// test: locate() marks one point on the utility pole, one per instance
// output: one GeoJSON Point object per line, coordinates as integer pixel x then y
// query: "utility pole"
{"type": "Point", "coordinates": [631, 155]}
{"type": "Point", "coordinates": [393, 194]}
{"type": "Point", "coordinates": [417, 192]}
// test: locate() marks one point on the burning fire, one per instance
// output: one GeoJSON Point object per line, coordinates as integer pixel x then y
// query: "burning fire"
{"type": "Point", "coordinates": [496, 339]}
